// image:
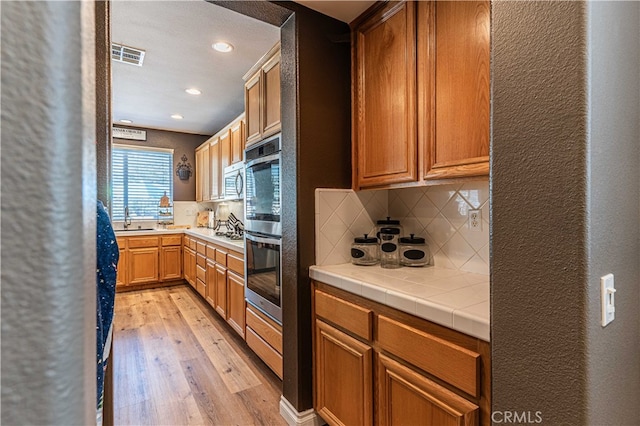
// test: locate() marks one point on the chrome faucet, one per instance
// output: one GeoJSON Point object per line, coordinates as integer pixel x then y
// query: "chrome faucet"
{"type": "Point", "coordinates": [127, 218]}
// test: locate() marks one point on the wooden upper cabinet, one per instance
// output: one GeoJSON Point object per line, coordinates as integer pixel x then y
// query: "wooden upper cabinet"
{"type": "Point", "coordinates": [421, 92]}
{"type": "Point", "coordinates": [237, 142]}
{"type": "Point", "coordinates": [214, 161]}
{"type": "Point", "coordinates": [460, 140]}
{"type": "Point", "coordinates": [271, 97]}
{"type": "Point", "coordinates": [198, 175]}
{"type": "Point", "coordinates": [225, 154]}
{"type": "Point", "coordinates": [262, 97]}
{"type": "Point", "coordinates": [385, 97]}
{"type": "Point", "coordinates": [252, 108]}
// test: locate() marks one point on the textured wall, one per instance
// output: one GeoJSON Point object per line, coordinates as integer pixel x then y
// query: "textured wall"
{"type": "Point", "coordinates": [181, 143]}
{"type": "Point", "coordinates": [539, 210]}
{"type": "Point", "coordinates": [614, 216]}
{"type": "Point", "coordinates": [103, 102]}
{"type": "Point", "coordinates": [315, 93]}
{"type": "Point", "coordinates": [48, 213]}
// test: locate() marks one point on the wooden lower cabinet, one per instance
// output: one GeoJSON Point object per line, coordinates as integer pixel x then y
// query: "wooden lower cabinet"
{"type": "Point", "coordinates": [221, 290]}
{"type": "Point", "coordinates": [189, 259]}
{"type": "Point", "coordinates": [264, 337]}
{"type": "Point", "coordinates": [143, 265]}
{"type": "Point", "coordinates": [236, 305]}
{"type": "Point", "coordinates": [147, 261]}
{"type": "Point", "coordinates": [121, 279]}
{"type": "Point", "coordinates": [210, 295]}
{"type": "Point", "coordinates": [406, 397]}
{"type": "Point", "coordinates": [344, 377]}
{"type": "Point", "coordinates": [170, 263]}
{"type": "Point", "coordinates": [417, 372]}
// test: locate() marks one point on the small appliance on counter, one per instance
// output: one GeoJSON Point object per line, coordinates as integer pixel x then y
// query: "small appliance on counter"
{"type": "Point", "coordinates": [414, 251]}
{"type": "Point", "coordinates": [365, 251]}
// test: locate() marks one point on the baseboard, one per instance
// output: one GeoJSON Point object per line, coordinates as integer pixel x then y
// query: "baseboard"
{"type": "Point", "coordinates": [295, 418]}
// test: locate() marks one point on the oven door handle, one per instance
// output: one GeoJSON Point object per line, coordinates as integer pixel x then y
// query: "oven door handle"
{"type": "Point", "coordinates": [264, 240]}
{"type": "Point", "coordinates": [266, 159]}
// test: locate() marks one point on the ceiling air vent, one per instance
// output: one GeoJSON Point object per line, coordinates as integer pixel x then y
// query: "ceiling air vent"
{"type": "Point", "coordinates": [127, 54]}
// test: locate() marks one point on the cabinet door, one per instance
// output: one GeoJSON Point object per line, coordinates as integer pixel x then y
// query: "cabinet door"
{"type": "Point", "coordinates": [143, 265]}
{"type": "Point", "coordinates": [252, 108]}
{"type": "Point", "coordinates": [237, 142]}
{"type": "Point", "coordinates": [460, 141]}
{"type": "Point", "coordinates": [170, 263]}
{"type": "Point", "coordinates": [121, 278]}
{"type": "Point", "coordinates": [385, 126]}
{"type": "Point", "coordinates": [192, 268]}
{"type": "Point", "coordinates": [199, 172]}
{"type": "Point", "coordinates": [189, 265]}
{"type": "Point", "coordinates": [271, 96]}
{"type": "Point", "coordinates": [236, 307]}
{"type": "Point", "coordinates": [206, 178]}
{"type": "Point", "coordinates": [225, 154]}
{"type": "Point", "coordinates": [406, 397]}
{"type": "Point", "coordinates": [344, 377]}
{"type": "Point", "coordinates": [211, 283]}
{"type": "Point", "coordinates": [221, 290]}
{"type": "Point", "coordinates": [214, 166]}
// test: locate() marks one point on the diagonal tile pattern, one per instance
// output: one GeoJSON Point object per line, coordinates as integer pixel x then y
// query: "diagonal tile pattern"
{"type": "Point", "coordinates": [438, 213]}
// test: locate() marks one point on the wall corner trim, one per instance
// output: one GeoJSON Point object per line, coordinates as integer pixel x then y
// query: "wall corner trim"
{"type": "Point", "coordinates": [295, 418]}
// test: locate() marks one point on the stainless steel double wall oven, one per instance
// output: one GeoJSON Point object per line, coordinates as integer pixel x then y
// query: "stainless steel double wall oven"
{"type": "Point", "coordinates": [263, 229]}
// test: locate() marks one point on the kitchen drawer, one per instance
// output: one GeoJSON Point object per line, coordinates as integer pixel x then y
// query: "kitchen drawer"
{"type": "Point", "coordinates": [171, 240]}
{"type": "Point", "coordinates": [455, 365]}
{"type": "Point", "coordinates": [354, 318]}
{"type": "Point", "coordinates": [192, 244]}
{"type": "Point", "coordinates": [201, 247]}
{"type": "Point", "coordinates": [201, 273]}
{"type": "Point", "coordinates": [211, 252]}
{"type": "Point", "coordinates": [122, 242]}
{"type": "Point", "coordinates": [140, 242]}
{"type": "Point", "coordinates": [272, 358]}
{"type": "Point", "coordinates": [221, 257]}
{"type": "Point", "coordinates": [235, 263]}
{"type": "Point", "coordinates": [266, 328]}
{"type": "Point", "coordinates": [201, 260]}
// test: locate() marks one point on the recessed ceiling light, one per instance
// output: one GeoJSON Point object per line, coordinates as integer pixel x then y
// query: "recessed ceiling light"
{"type": "Point", "coordinates": [222, 46]}
{"type": "Point", "coordinates": [177, 116]}
{"type": "Point", "coordinates": [124, 120]}
{"type": "Point", "coordinates": [193, 91]}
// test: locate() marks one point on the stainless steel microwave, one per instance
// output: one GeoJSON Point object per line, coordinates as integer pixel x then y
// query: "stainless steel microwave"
{"type": "Point", "coordinates": [234, 182]}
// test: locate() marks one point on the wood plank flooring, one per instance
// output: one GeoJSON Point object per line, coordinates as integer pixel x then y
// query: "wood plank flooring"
{"type": "Point", "coordinates": [176, 362]}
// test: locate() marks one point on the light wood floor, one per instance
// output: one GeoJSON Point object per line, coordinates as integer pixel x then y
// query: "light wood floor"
{"type": "Point", "coordinates": [176, 362]}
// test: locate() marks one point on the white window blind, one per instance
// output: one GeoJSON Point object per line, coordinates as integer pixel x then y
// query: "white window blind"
{"type": "Point", "coordinates": [140, 177]}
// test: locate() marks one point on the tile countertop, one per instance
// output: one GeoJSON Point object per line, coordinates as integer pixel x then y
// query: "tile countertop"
{"type": "Point", "coordinates": [458, 300]}
{"type": "Point", "coordinates": [203, 233]}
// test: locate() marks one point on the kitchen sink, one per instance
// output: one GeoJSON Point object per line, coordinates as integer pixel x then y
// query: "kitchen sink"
{"type": "Point", "coordinates": [135, 229]}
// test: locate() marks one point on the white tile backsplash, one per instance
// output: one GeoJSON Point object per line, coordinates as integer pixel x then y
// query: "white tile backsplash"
{"type": "Point", "coordinates": [438, 213]}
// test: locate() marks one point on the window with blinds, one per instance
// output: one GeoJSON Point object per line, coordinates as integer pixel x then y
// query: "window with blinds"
{"type": "Point", "coordinates": [140, 177]}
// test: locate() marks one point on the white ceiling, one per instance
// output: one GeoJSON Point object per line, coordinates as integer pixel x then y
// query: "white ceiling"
{"type": "Point", "coordinates": [177, 38]}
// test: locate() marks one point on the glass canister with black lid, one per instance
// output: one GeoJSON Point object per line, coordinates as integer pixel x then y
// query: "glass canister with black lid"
{"type": "Point", "coordinates": [364, 251]}
{"type": "Point", "coordinates": [388, 223]}
{"type": "Point", "coordinates": [414, 251]}
{"type": "Point", "coordinates": [389, 247]}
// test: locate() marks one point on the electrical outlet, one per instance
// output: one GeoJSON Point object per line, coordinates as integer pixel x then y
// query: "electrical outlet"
{"type": "Point", "coordinates": [475, 220]}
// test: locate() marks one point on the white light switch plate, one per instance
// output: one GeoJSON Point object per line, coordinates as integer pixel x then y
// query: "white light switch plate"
{"type": "Point", "coordinates": [607, 293]}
